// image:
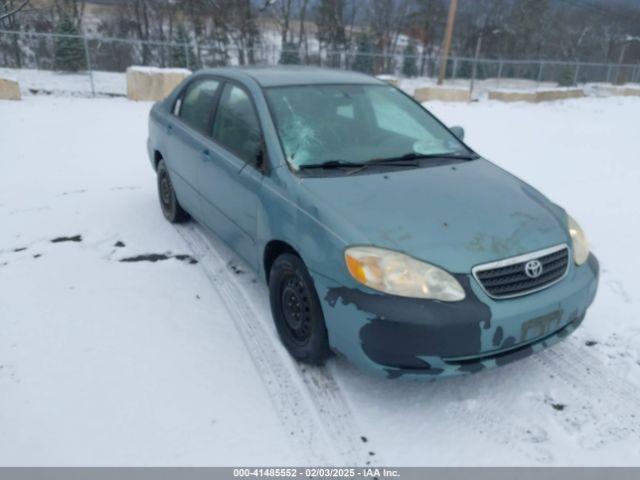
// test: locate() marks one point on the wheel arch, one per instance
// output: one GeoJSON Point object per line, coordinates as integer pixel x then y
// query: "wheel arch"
{"type": "Point", "coordinates": [272, 250]}
{"type": "Point", "coordinates": [157, 156]}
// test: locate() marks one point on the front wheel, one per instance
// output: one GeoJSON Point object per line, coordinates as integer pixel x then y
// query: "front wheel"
{"type": "Point", "coordinates": [171, 209]}
{"type": "Point", "coordinates": [296, 310]}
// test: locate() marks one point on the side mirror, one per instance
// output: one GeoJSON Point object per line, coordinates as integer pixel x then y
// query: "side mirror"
{"type": "Point", "coordinates": [458, 132]}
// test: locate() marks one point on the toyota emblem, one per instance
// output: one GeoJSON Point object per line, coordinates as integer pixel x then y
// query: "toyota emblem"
{"type": "Point", "coordinates": [533, 268]}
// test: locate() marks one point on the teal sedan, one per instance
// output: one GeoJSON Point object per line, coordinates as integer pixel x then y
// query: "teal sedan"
{"type": "Point", "coordinates": [382, 236]}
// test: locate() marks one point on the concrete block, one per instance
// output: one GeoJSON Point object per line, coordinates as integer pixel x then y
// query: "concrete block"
{"type": "Point", "coordinates": [619, 90]}
{"type": "Point", "coordinates": [560, 94]}
{"type": "Point", "coordinates": [442, 94]}
{"type": "Point", "coordinates": [538, 96]}
{"type": "Point", "coordinates": [9, 89]}
{"type": "Point", "coordinates": [512, 96]}
{"type": "Point", "coordinates": [153, 84]}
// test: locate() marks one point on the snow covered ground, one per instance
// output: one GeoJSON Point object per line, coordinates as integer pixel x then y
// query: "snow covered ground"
{"type": "Point", "coordinates": [51, 82]}
{"type": "Point", "coordinates": [112, 362]}
{"type": "Point", "coordinates": [115, 83]}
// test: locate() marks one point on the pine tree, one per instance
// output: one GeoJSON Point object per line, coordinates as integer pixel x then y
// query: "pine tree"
{"type": "Point", "coordinates": [290, 54]}
{"type": "Point", "coordinates": [68, 51]}
{"type": "Point", "coordinates": [566, 78]}
{"type": "Point", "coordinates": [364, 60]}
{"type": "Point", "coordinates": [181, 56]}
{"type": "Point", "coordinates": [409, 68]}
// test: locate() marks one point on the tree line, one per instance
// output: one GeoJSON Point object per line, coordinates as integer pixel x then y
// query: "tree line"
{"type": "Point", "coordinates": [368, 35]}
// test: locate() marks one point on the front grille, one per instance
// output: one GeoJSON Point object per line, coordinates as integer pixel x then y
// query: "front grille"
{"type": "Point", "coordinates": [508, 278]}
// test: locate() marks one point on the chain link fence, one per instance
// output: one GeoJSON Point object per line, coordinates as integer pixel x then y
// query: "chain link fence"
{"type": "Point", "coordinates": [90, 64]}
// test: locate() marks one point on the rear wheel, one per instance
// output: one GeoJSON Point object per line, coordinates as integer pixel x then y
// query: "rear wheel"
{"type": "Point", "coordinates": [171, 209]}
{"type": "Point", "coordinates": [296, 310]}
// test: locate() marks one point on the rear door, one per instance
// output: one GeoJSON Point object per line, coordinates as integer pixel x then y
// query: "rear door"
{"type": "Point", "coordinates": [187, 138]}
{"type": "Point", "coordinates": [230, 176]}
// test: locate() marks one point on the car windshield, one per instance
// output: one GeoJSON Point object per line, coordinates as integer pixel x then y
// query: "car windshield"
{"type": "Point", "coordinates": [356, 124]}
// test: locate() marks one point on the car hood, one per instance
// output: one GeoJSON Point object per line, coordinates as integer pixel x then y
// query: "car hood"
{"type": "Point", "coordinates": [455, 216]}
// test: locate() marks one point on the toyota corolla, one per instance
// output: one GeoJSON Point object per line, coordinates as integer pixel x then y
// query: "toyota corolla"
{"type": "Point", "coordinates": [382, 236]}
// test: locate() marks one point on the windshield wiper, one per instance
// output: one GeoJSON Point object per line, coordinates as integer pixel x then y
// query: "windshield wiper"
{"type": "Point", "coordinates": [330, 164]}
{"type": "Point", "coordinates": [333, 164]}
{"type": "Point", "coordinates": [422, 156]}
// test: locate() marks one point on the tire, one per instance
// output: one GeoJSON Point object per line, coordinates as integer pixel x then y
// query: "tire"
{"type": "Point", "coordinates": [296, 310]}
{"type": "Point", "coordinates": [171, 209]}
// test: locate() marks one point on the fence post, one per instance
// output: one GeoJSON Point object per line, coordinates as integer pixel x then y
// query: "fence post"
{"type": "Point", "coordinates": [609, 73]}
{"type": "Point", "coordinates": [88, 59]}
{"type": "Point", "coordinates": [540, 72]}
{"type": "Point", "coordinates": [575, 75]}
{"type": "Point", "coordinates": [38, 57]}
{"type": "Point", "coordinates": [454, 69]}
{"type": "Point", "coordinates": [198, 54]}
{"type": "Point", "coordinates": [186, 54]}
{"type": "Point", "coordinates": [474, 72]}
{"type": "Point", "coordinates": [500, 65]}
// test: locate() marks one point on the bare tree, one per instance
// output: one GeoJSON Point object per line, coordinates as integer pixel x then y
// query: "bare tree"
{"type": "Point", "coordinates": [218, 31]}
{"type": "Point", "coordinates": [139, 13]}
{"type": "Point", "coordinates": [331, 29]}
{"type": "Point", "coordinates": [282, 11]}
{"type": "Point", "coordinates": [426, 26]}
{"type": "Point", "coordinates": [74, 9]}
{"type": "Point", "coordinates": [9, 8]}
{"type": "Point", "coordinates": [353, 13]}
{"type": "Point", "coordinates": [302, 34]}
{"type": "Point", "coordinates": [225, 22]}
{"type": "Point", "coordinates": [244, 30]}
{"type": "Point", "coordinates": [388, 19]}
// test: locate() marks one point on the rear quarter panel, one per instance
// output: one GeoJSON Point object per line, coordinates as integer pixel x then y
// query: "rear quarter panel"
{"type": "Point", "coordinates": [157, 124]}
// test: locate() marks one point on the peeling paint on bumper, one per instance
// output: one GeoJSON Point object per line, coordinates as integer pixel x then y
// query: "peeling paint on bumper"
{"type": "Point", "coordinates": [414, 338]}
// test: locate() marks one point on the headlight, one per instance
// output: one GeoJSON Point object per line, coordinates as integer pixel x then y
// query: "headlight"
{"type": "Point", "coordinates": [398, 274]}
{"type": "Point", "coordinates": [579, 241]}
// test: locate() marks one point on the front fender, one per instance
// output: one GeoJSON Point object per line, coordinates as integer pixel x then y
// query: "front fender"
{"type": "Point", "coordinates": [290, 214]}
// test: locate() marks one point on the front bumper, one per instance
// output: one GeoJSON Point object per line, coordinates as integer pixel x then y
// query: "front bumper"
{"type": "Point", "coordinates": [397, 336]}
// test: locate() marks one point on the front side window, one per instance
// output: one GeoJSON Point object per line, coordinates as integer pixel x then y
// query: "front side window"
{"type": "Point", "coordinates": [236, 124]}
{"type": "Point", "coordinates": [355, 123]}
{"type": "Point", "coordinates": [194, 107]}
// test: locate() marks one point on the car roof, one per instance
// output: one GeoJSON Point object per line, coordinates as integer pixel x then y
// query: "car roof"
{"type": "Point", "coordinates": [293, 75]}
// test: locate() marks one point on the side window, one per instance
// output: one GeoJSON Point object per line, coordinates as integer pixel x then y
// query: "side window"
{"type": "Point", "coordinates": [194, 107]}
{"type": "Point", "coordinates": [236, 124]}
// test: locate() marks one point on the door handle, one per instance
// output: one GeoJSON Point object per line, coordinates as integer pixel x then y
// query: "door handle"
{"type": "Point", "coordinates": [169, 129]}
{"type": "Point", "coordinates": [206, 155]}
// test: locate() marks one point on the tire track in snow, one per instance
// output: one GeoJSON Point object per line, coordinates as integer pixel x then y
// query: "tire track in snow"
{"type": "Point", "coordinates": [598, 407]}
{"type": "Point", "coordinates": [307, 399]}
{"type": "Point", "coordinates": [500, 422]}
{"type": "Point", "coordinates": [606, 403]}
{"type": "Point", "coordinates": [335, 414]}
